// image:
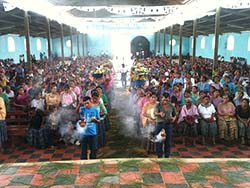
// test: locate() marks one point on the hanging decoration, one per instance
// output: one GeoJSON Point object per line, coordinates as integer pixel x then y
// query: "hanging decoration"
{"type": "Point", "coordinates": [128, 17]}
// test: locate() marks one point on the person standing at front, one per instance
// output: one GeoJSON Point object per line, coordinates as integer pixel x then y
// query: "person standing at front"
{"type": "Point", "coordinates": [165, 114]}
{"type": "Point", "coordinates": [91, 117]}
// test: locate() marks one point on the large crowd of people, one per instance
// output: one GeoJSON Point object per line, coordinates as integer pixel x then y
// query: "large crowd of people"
{"type": "Point", "coordinates": [71, 100]}
{"type": "Point", "coordinates": [190, 100]}
{"type": "Point", "coordinates": [54, 96]}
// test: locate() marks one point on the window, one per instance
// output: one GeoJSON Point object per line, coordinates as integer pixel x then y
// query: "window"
{"type": "Point", "coordinates": [24, 41]}
{"type": "Point", "coordinates": [11, 44]}
{"type": "Point", "coordinates": [248, 48]}
{"type": "Point", "coordinates": [38, 44]}
{"type": "Point", "coordinates": [192, 43]}
{"type": "Point", "coordinates": [68, 43]}
{"type": "Point", "coordinates": [230, 43]}
{"type": "Point", "coordinates": [203, 43]}
{"type": "Point", "coordinates": [213, 42]}
{"type": "Point", "coordinates": [173, 42]}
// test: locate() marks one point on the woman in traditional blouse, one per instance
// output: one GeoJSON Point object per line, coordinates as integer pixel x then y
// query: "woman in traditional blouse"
{"type": "Point", "coordinates": [188, 120]}
{"type": "Point", "coordinates": [208, 121]}
{"type": "Point", "coordinates": [228, 129]}
{"type": "Point", "coordinates": [149, 121]}
{"type": "Point", "coordinates": [53, 98]}
{"type": "Point", "coordinates": [22, 99]}
{"type": "Point", "coordinates": [243, 121]}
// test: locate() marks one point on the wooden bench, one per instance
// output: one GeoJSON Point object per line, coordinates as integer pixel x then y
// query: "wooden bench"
{"type": "Point", "coordinates": [17, 124]}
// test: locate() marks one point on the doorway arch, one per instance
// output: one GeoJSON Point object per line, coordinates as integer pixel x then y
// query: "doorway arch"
{"type": "Point", "coordinates": [140, 47]}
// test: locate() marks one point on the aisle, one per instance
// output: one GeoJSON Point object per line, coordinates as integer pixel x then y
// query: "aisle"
{"type": "Point", "coordinates": [121, 138]}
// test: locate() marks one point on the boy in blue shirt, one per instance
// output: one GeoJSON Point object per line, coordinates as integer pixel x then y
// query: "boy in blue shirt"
{"type": "Point", "coordinates": [90, 116]}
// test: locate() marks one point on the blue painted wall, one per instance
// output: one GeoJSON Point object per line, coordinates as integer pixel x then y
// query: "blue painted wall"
{"type": "Point", "coordinates": [67, 53]}
{"type": "Point", "coordinates": [20, 47]}
{"type": "Point", "coordinates": [175, 49]}
{"type": "Point", "coordinates": [100, 42]}
{"type": "Point", "coordinates": [96, 43]}
{"type": "Point", "coordinates": [240, 46]}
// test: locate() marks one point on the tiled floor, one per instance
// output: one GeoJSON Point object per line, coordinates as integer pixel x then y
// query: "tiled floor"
{"type": "Point", "coordinates": [26, 153]}
{"type": "Point", "coordinates": [132, 173]}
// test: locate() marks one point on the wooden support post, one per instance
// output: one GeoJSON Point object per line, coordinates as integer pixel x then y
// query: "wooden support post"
{"type": "Point", "coordinates": [83, 45]}
{"type": "Point", "coordinates": [164, 42]}
{"type": "Point", "coordinates": [194, 40]}
{"type": "Point", "coordinates": [78, 47]}
{"type": "Point", "coordinates": [180, 46]}
{"type": "Point", "coordinates": [48, 40]}
{"type": "Point", "coordinates": [159, 42]}
{"type": "Point", "coordinates": [27, 37]}
{"type": "Point", "coordinates": [71, 42]}
{"type": "Point", "coordinates": [62, 42]}
{"type": "Point", "coordinates": [216, 46]}
{"type": "Point", "coordinates": [171, 44]}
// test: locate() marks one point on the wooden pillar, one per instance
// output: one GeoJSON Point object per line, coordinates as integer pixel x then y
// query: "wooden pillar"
{"type": "Point", "coordinates": [180, 46]}
{"type": "Point", "coordinates": [164, 42]}
{"type": "Point", "coordinates": [83, 45]}
{"type": "Point", "coordinates": [71, 42]}
{"type": "Point", "coordinates": [216, 34]}
{"type": "Point", "coordinates": [86, 43]}
{"type": "Point", "coordinates": [27, 37]}
{"type": "Point", "coordinates": [62, 42]}
{"type": "Point", "coordinates": [171, 44]}
{"type": "Point", "coordinates": [48, 39]}
{"type": "Point", "coordinates": [155, 40]}
{"type": "Point", "coordinates": [78, 47]}
{"type": "Point", "coordinates": [159, 42]}
{"type": "Point", "coordinates": [194, 40]}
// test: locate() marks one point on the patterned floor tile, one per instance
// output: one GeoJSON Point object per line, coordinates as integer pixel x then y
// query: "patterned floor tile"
{"type": "Point", "coordinates": [27, 170]}
{"type": "Point", "coordinates": [109, 168]}
{"type": "Point", "coordinates": [201, 185]}
{"type": "Point", "coordinates": [5, 180]}
{"type": "Point", "coordinates": [150, 167]}
{"type": "Point", "coordinates": [130, 178]}
{"type": "Point", "coordinates": [168, 167]}
{"type": "Point", "coordinates": [65, 179]}
{"type": "Point", "coordinates": [38, 180]}
{"type": "Point", "coordinates": [86, 179]}
{"type": "Point", "coordinates": [154, 186]}
{"type": "Point", "coordinates": [192, 177]}
{"type": "Point", "coordinates": [152, 178]}
{"type": "Point", "coordinates": [177, 186]}
{"type": "Point", "coordinates": [237, 177]}
{"type": "Point", "coordinates": [90, 168]}
{"type": "Point", "coordinates": [188, 167]}
{"type": "Point", "coordinates": [243, 185]}
{"type": "Point", "coordinates": [8, 170]}
{"type": "Point", "coordinates": [21, 180]}
{"type": "Point", "coordinates": [222, 185]}
{"type": "Point", "coordinates": [173, 178]}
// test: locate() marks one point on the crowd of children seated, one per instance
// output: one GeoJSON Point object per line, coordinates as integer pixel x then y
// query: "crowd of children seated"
{"type": "Point", "coordinates": [191, 101]}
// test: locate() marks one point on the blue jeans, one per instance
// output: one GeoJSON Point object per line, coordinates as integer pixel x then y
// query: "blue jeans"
{"type": "Point", "coordinates": [167, 143]}
{"type": "Point", "coordinates": [91, 142]}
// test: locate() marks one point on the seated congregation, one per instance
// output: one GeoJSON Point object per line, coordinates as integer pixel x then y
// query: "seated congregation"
{"type": "Point", "coordinates": [189, 103]}
{"type": "Point", "coordinates": [42, 104]}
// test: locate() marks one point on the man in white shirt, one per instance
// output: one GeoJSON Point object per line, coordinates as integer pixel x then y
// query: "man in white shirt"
{"type": "Point", "coordinates": [124, 72]}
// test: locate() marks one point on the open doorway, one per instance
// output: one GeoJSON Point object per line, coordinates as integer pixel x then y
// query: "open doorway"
{"type": "Point", "coordinates": [140, 47]}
